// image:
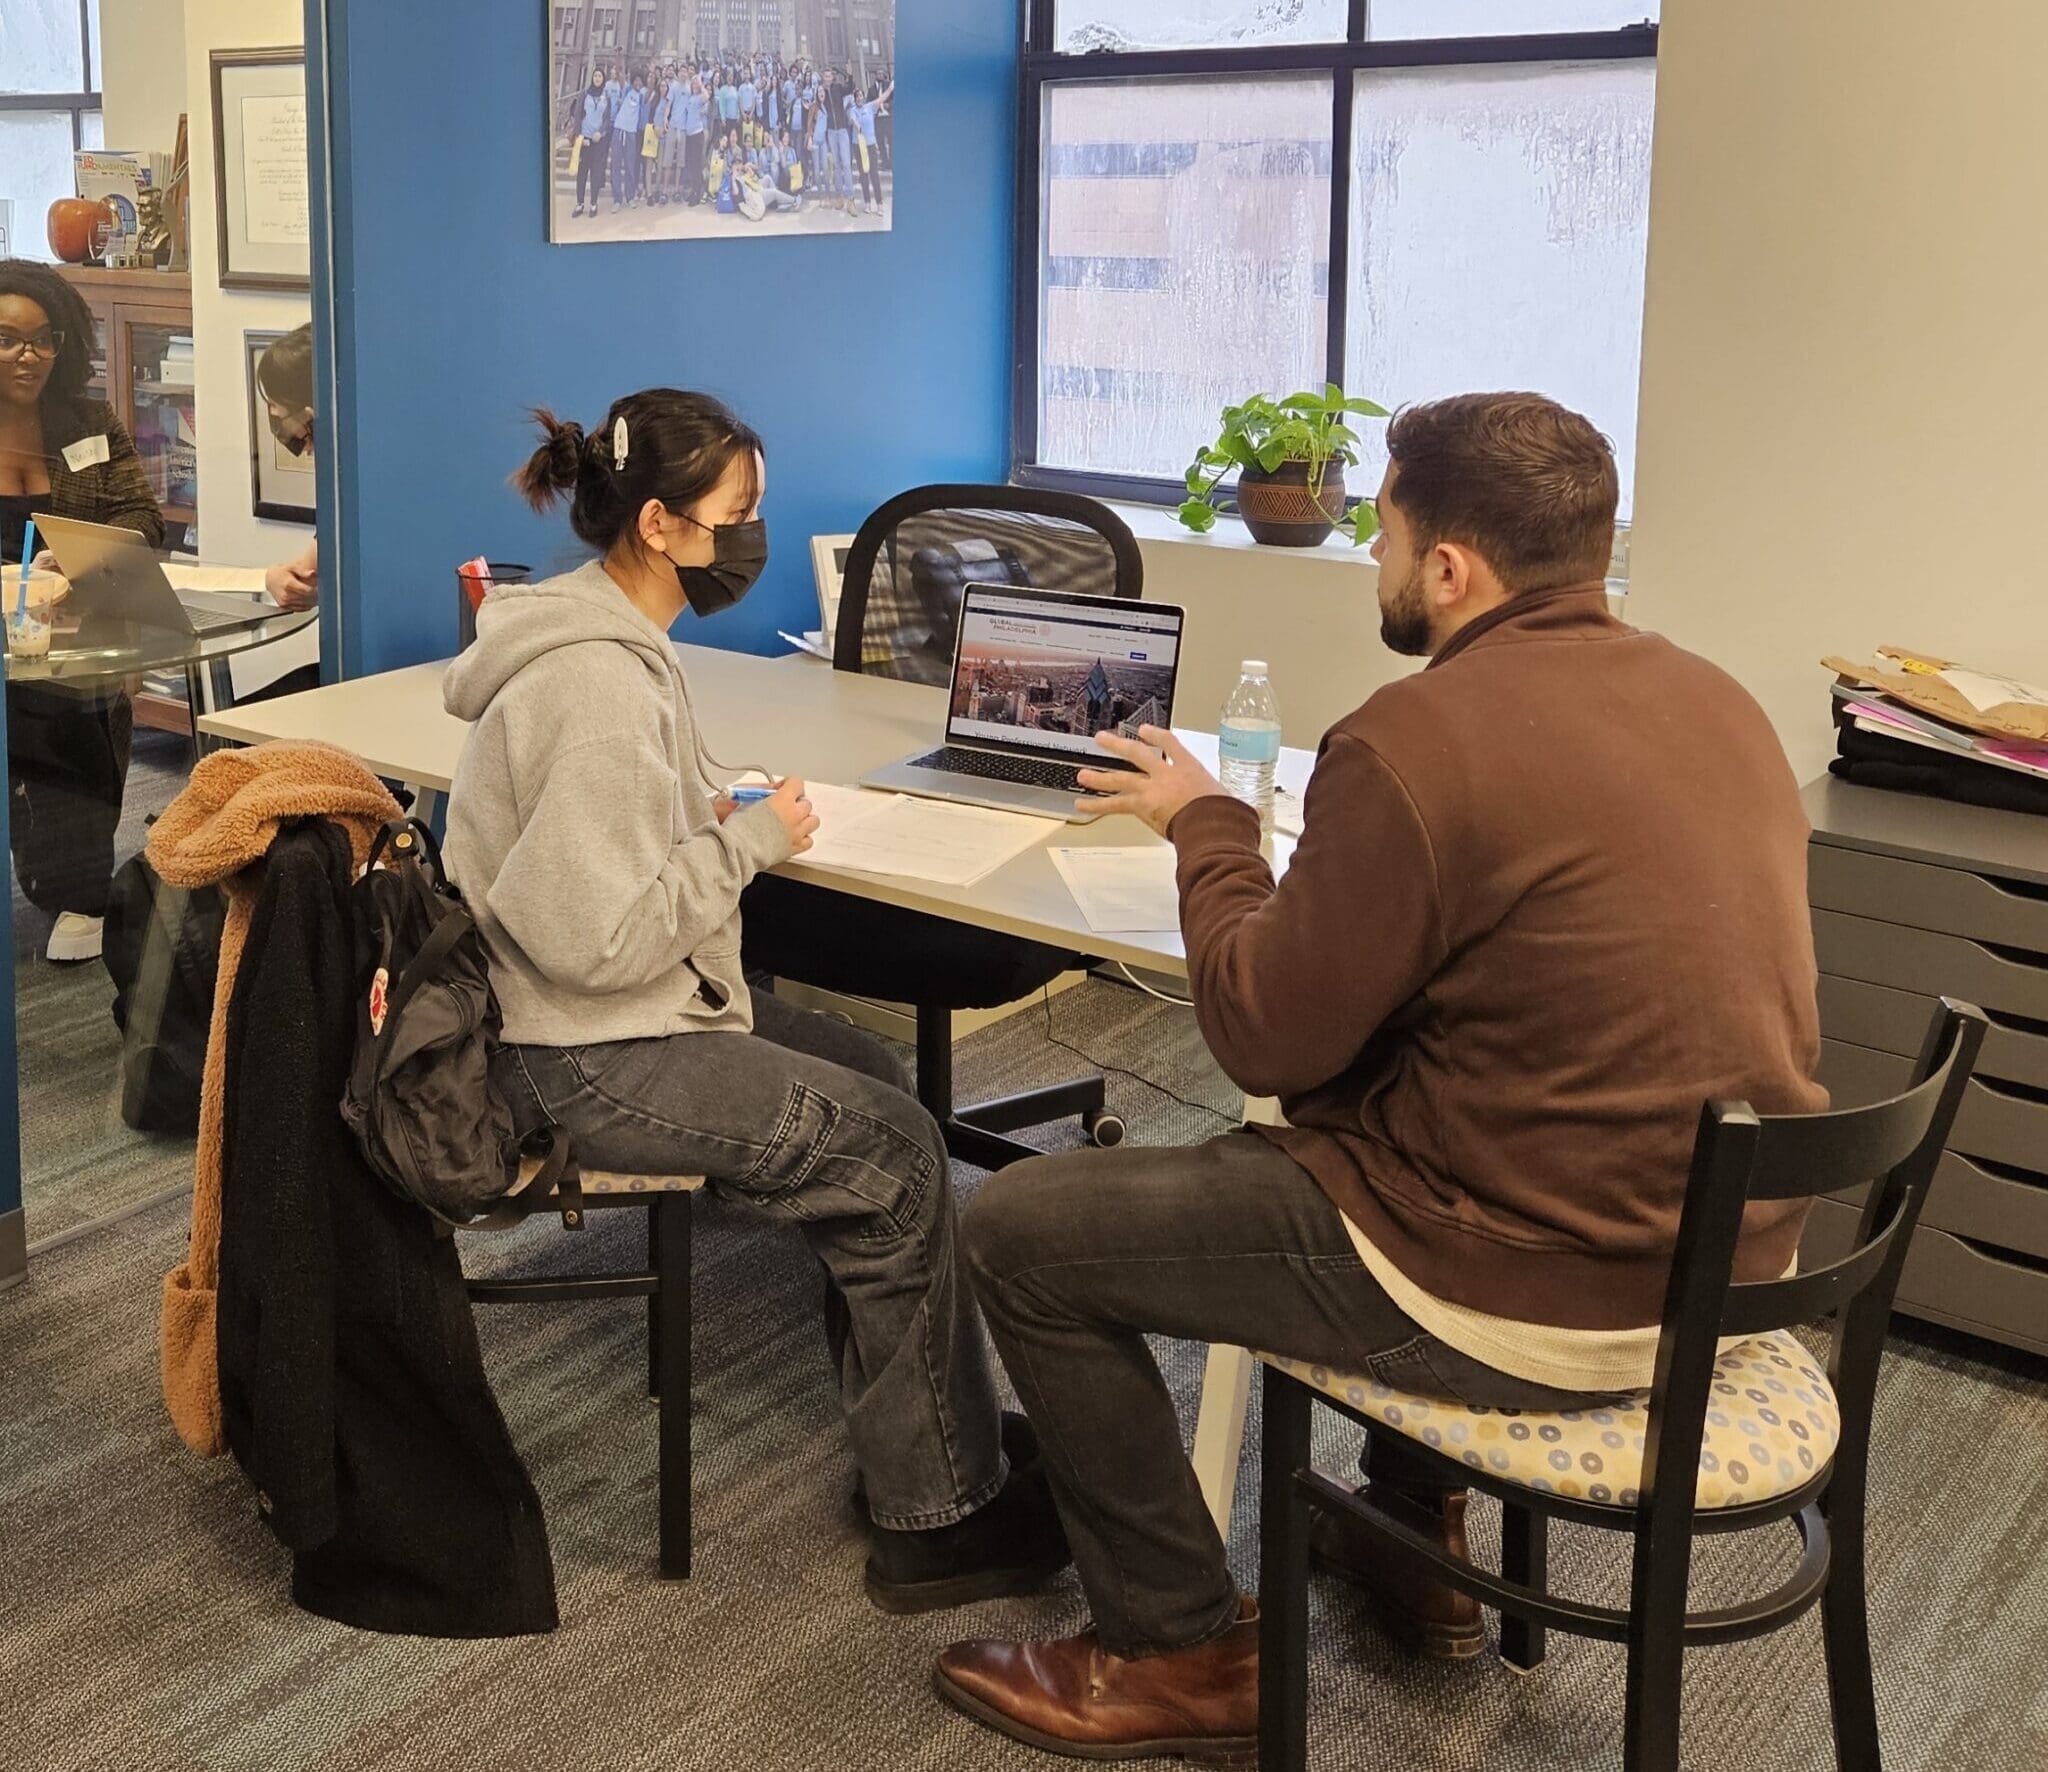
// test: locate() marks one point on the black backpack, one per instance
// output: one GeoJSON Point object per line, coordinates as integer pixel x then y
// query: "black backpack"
{"type": "Point", "coordinates": [419, 1096]}
{"type": "Point", "coordinates": [162, 950]}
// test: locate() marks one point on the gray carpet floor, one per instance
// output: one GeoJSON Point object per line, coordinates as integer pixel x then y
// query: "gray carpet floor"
{"type": "Point", "coordinates": [144, 1620]}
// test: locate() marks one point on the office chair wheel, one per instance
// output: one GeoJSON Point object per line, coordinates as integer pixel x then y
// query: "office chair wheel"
{"type": "Point", "coordinates": [1104, 1127]}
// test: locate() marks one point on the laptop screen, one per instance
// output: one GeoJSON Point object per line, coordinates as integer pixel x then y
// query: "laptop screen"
{"type": "Point", "coordinates": [1043, 672]}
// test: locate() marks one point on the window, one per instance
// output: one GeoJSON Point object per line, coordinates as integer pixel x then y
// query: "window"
{"type": "Point", "coordinates": [643, 30]}
{"type": "Point", "coordinates": [49, 108]}
{"type": "Point", "coordinates": [707, 27]}
{"type": "Point", "coordinates": [1238, 197]}
{"type": "Point", "coordinates": [604, 28]}
{"type": "Point", "coordinates": [567, 18]}
{"type": "Point", "coordinates": [768, 28]}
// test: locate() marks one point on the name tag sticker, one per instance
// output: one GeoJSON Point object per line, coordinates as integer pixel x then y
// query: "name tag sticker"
{"type": "Point", "coordinates": [87, 452]}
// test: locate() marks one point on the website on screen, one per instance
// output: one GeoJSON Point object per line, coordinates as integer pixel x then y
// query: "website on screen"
{"type": "Point", "coordinates": [1034, 673]}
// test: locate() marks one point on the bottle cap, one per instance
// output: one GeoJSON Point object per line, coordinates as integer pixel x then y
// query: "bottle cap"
{"type": "Point", "coordinates": [1253, 667]}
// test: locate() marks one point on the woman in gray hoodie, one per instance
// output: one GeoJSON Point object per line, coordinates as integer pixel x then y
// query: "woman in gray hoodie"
{"type": "Point", "coordinates": [604, 865]}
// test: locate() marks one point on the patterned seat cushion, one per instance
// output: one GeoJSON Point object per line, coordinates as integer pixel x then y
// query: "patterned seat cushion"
{"type": "Point", "coordinates": [1772, 1421]}
{"type": "Point", "coordinates": [606, 1181]}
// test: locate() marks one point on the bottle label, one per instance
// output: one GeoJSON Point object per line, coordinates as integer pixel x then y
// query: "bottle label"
{"type": "Point", "coordinates": [1248, 744]}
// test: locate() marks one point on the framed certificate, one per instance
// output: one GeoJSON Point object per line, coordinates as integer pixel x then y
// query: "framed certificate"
{"type": "Point", "coordinates": [261, 189]}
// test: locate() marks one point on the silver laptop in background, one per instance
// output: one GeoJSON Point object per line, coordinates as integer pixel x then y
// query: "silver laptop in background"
{"type": "Point", "coordinates": [1036, 674]}
{"type": "Point", "coordinates": [120, 596]}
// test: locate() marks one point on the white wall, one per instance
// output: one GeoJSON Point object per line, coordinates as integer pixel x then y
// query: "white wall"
{"type": "Point", "coordinates": [1844, 365]}
{"type": "Point", "coordinates": [142, 81]}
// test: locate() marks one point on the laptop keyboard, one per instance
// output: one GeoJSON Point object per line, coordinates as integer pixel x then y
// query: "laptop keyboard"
{"type": "Point", "coordinates": [207, 621]}
{"type": "Point", "coordinates": [1030, 772]}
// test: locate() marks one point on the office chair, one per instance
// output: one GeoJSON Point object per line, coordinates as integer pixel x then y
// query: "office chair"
{"type": "Point", "coordinates": [898, 616]}
{"type": "Point", "coordinates": [1732, 1441]}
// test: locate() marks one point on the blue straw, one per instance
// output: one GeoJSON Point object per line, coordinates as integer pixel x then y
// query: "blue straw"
{"type": "Point", "coordinates": [28, 553]}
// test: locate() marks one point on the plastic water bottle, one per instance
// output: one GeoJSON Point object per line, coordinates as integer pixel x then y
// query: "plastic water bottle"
{"type": "Point", "coordinates": [1248, 742]}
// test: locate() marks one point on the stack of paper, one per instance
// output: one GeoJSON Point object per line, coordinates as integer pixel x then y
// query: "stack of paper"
{"type": "Point", "coordinates": [913, 839]}
{"type": "Point", "coordinates": [1889, 719]}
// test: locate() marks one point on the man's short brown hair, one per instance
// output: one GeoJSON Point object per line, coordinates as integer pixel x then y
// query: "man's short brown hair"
{"type": "Point", "coordinates": [1525, 483]}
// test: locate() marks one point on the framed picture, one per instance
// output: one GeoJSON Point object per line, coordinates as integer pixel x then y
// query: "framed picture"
{"type": "Point", "coordinates": [718, 122]}
{"type": "Point", "coordinates": [828, 564]}
{"type": "Point", "coordinates": [280, 483]}
{"type": "Point", "coordinates": [261, 191]}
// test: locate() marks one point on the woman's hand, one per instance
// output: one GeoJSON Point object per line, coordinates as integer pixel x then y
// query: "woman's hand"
{"type": "Point", "coordinates": [793, 807]}
{"type": "Point", "coordinates": [723, 806]}
{"type": "Point", "coordinates": [295, 584]}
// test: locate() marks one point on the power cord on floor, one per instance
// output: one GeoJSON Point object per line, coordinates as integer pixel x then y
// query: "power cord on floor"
{"type": "Point", "coordinates": [1117, 1070]}
{"type": "Point", "coordinates": [1132, 978]}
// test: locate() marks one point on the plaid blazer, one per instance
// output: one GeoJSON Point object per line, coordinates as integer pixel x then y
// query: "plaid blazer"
{"type": "Point", "coordinates": [114, 491]}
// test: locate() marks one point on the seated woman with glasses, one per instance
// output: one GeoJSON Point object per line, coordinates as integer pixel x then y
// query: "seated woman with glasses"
{"type": "Point", "coordinates": [67, 743]}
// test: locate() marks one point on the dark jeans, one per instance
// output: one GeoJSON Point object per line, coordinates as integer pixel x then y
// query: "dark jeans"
{"type": "Point", "coordinates": [67, 763]}
{"type": "Point", "coordinates": [1077, 1258]}
{"type": "Point", "coordinates": [625, 166]}
{"type": "Point", "coordinates": [693, 169]}
{"type": "Point", "coordinates": [590, 169]}
{"type": "Point", "coordinates": [811, 1122]}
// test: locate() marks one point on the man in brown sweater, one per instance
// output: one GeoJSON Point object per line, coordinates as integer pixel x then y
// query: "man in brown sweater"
{"type": "Point", "coordinates": [1549, 896]}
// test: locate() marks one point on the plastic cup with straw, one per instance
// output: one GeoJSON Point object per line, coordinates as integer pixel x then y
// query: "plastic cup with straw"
{"type": "Point", "coordinates": [23, 635]}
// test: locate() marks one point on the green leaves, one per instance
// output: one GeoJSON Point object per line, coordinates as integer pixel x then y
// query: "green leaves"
{"type": "Point", "coordinates": [1363, 523]}
{"type": "Point", "coordinates": [1265, 434]}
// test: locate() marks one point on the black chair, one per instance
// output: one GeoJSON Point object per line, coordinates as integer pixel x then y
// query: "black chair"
{"type": "Point", "coordinates": [664, 1283]}
{"type": "Point", "coordinates": [899, 613]}
{"type": "Point", "coordinates": [1720, 1443]}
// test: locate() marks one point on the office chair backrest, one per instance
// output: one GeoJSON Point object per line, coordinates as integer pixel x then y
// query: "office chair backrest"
{"type": "Point", "coordinates": [1890, 1147]}
{"type": "Point", "coordinates": [899, 609]}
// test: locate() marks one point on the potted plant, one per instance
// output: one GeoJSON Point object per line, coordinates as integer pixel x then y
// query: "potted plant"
{"type": "Point", "coordinates": [1290, 456]}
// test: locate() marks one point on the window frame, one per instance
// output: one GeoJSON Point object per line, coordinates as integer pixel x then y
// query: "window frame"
{"type": "Point", "coordinates": [77, 104]}
{"type": "Point", "coordinates": [1043, 67]}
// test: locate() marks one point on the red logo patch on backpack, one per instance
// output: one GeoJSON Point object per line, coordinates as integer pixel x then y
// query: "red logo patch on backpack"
{"type": "Point", "coordinates": [379, 1000]}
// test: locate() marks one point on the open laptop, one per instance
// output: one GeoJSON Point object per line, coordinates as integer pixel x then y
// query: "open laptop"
{"type": "Point", "coordinates": [1036, 674]}
{"type": "Point", "coordinates": [119, 591]}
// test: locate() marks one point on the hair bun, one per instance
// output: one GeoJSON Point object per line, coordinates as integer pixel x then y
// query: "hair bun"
{"type": "Point", "coordinates": [553, 468]}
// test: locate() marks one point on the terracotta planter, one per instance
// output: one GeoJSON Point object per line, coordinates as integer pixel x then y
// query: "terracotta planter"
{"type": "Point", "coordinates": [1280, 510]}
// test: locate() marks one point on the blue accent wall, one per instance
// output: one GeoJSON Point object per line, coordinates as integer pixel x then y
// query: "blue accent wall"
{"type": "Point", "coordinates": [869, 363]}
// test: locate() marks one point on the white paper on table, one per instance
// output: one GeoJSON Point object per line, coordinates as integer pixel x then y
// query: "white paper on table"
{"type": "Point", "coordinates": [234, 580]}
{"type": "Point", "coordinates": [931, 840]}
{"type": "Point", "coordinates": [1287, 812]}
{"type": "Point", "coordinates": [812, 642]}
{"type": "Point", "coordinates": [1984, 692]}
{"type": "Point", "coordinates": [1122, 890]}
{"type": "Point", "coordinates": [840, 808]}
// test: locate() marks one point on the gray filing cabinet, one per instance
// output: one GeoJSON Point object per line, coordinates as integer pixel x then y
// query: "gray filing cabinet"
{"type": "Point", "coordinates": [1913, 899]}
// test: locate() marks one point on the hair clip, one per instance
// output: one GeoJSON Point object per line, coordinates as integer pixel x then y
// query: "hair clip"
{"type": "Point", "coordinates": [619, 442]}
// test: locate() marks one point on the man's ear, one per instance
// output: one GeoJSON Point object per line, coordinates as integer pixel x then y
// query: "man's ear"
{"type": "Point", "coordinates": [1447, 575]}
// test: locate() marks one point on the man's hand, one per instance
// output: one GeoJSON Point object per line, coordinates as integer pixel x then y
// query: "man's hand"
{"type": "Point", "coordinates": [1165, 783]}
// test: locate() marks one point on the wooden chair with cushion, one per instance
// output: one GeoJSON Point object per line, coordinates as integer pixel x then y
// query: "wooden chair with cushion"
{"type": "Point", "coordinates": [899, 613]}
{"type": "Point", "coordinates": [664, 1283]}
{"type": "Point", "coordinates": [1722, 1442]}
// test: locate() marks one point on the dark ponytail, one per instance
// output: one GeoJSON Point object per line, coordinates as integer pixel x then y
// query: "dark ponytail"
{"type": "Point", "coordinates": [678, 447]}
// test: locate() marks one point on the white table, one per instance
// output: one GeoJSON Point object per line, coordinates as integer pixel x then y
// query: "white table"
{"type": "Point", "coordinates": [828, 726]}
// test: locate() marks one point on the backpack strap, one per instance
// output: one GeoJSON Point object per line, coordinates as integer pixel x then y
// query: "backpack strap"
{"type": "Point", "coordinates": [556, 1176]}
{"type": "Point", "coordinates": [454, 924]}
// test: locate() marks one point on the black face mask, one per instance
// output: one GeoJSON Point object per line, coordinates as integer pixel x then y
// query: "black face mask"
{"type": "Point", "coordinates": [739, 552]}
{"type": "Point", "coordinates": [296, 434]}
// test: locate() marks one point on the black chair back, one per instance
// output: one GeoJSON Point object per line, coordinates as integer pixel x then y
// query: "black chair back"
{"type": "Point", "coordinates": [1892, 1148]}
{"type": "Point", "coordinates": [899, 609]}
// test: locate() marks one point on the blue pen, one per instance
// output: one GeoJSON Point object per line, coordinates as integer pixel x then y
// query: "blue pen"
{"type": "Point", "coordinates": [746, 796]}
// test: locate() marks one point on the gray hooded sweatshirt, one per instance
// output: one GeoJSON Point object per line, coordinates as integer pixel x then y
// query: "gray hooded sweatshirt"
{"type": "Point", "coordinates": [580, 826]}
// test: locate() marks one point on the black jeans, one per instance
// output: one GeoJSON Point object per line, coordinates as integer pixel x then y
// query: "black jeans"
{"type": "Point", "coordinates": [1077, 1258]}
{"type": "Point", "coordinates": [590, 169]}
{"type": "Point", "coordinates": [67, 759]}
{"type": "Point", "coordinates": [809, 1121]}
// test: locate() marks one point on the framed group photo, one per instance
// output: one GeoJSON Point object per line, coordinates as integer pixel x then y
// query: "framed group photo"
{"type": "Point", "coordinates": [688, 120]}
{"type": "Point", "coordinates": [261, 189]}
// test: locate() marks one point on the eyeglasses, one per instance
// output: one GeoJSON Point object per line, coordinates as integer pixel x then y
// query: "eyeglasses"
{"type": "Point", "coordinates": [46, 343]}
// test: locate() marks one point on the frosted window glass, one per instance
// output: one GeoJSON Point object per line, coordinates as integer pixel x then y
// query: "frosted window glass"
{"type": "Point", "coordinates": [1504, 18]}
{"type": "Point", "coordinates": [35, 170]}
{"type": "Point", "coordinates": [39, 47]}
{"type": "Point", "coordinates": [1185, 262]}
{"type": "Point", "coordinates": [92, 13]}
{"type": "Point", "coordinates": [92, 129]}
{"type": "Point", "coordinates": [1498, 224]}
{"type": "Point", "coordinates": [1082, 25]}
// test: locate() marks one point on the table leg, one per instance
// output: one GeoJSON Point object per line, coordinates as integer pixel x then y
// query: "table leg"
{"type": "Point", "coordinates": [1226, 1390]}
{"type": "Point", "coordinates": [426, 803]}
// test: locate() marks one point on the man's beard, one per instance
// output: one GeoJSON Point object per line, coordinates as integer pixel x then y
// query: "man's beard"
{"type": "Point", "coordinates": [1404, 620]}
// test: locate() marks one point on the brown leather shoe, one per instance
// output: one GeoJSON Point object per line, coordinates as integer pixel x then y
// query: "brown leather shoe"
{"type": "Point", "coordinates": [1073, 1697]}
{"type": "Point", "coordinates": [1428, 1615]}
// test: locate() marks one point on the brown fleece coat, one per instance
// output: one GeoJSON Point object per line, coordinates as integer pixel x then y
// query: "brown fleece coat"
{"type": "Point", "coordinates": [217, 832]}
